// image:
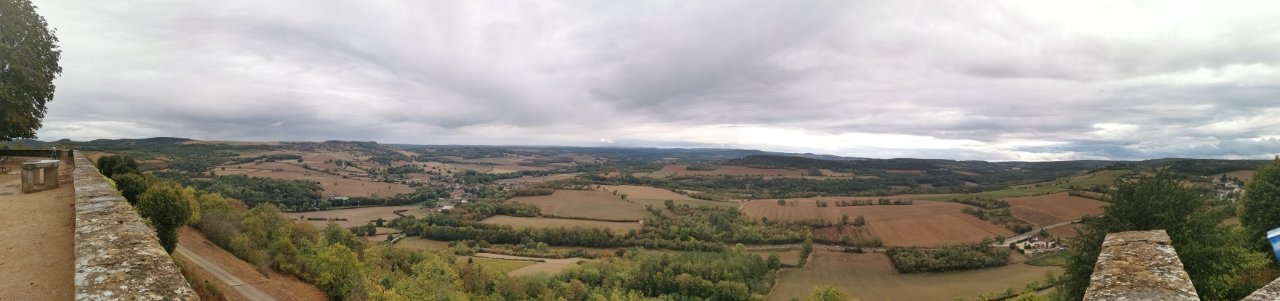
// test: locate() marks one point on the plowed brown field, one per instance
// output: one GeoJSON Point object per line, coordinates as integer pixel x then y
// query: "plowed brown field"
{"type": "Point", "coordinates": [1049, 209]}
{"type": "Point", "coordinates": [925, 223]}
{"type": "Point", "coordinates": [587, 204]}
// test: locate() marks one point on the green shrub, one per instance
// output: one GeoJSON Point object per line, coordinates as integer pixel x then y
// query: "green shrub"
{"type": "Point", "coordinates": [131, 185]}
{"type": "Point", "coordinates": [167, 208]}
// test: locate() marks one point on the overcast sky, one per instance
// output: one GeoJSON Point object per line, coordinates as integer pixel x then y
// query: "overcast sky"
{"type": "Point", "coordinates": [1017, 80]}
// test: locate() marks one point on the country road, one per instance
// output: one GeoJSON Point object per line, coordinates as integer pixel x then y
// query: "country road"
{"type": "Point", "coordinates": [245, 289]}
{"type": "Point", "coordinates": [1014, 238]}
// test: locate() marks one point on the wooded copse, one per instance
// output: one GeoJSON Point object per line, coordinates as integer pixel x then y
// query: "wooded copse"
{"type": "Point", "coordinates": [947, 258]}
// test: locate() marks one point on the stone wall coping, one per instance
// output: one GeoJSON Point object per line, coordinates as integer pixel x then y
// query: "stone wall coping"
{"type": "Point", "coordinates": [1270, 292]}
{"type": "Point", "coordinates": [1139, 265]}
{"type": "Point", "coordinates": [117, 256]}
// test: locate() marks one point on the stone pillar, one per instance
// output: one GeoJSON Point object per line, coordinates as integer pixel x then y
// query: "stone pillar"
{"type": "Point", "coordinates": [1139, 265]}
{"type": "Point", "coordinates": [50, 177]}
{"type": "Point", "coordinates": [28, 180]}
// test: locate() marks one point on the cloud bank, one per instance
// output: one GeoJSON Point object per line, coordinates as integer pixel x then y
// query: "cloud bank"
{"type": "Point", "coordinates": [1018, 80]}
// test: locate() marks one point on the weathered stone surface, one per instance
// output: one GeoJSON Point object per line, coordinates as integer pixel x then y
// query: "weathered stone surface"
{"type": "Point", "coordinates": [117, 256]}
{"type": "Point", "coordinates": [1270, 292]}
{"type": "Point", "coordinates": [1139, 265]}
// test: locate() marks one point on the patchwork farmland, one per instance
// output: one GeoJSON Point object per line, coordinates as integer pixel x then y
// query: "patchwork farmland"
{"type": "Point", "coordinates": [589, 204]}
{"type": "Point", "coordinates": [870, 276]}
{"type": "Point", "coordinates": [333, 184]}
{"type": "Point", "coordinates": [925, 223]}
{"type": "Point", "coordinates": [1044, 210]}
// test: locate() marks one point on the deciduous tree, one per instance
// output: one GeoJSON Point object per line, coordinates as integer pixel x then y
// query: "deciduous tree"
{"type": "Point", "coordinates": [167, 208]}
{"type": "Point", "coordinates": [1260, 207]}
{"type": "Point", "coordinates": [28, 64]}
{"type": "Point", "coordinates": [112, 165]}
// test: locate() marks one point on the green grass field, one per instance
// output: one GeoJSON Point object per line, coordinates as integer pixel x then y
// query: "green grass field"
{"type": "Point", "coordinates": [418, 243]}
{"type": "Point", "coordinates": [1055, 259]}
{"type": "Point", "coordinates": [500, 265]}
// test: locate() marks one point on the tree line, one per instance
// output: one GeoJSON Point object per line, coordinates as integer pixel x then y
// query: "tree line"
{"type": "Point", "coordinates": [947, 258]}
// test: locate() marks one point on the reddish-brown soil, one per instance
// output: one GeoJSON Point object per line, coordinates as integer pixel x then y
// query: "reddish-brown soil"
{"type": "Point", "coordinates": [855, 235]}
{"type": "Point", "coordinates": [1049, 209]}
{"type": "Point", "coordinates": [279, 286]}
{"type": "Point", "coordinates": [1243, 175]}
{"type": "Point", "coordinates": [37, 258]}
{"type": "Point", "coordinates": [925, 223]}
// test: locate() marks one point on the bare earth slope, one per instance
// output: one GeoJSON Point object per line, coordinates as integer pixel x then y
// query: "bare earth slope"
{"type": "Point", "coordinates": [230, 274]}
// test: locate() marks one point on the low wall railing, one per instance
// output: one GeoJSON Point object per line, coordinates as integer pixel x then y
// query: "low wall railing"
{"type": "Point", "coordinates": [117, 256]}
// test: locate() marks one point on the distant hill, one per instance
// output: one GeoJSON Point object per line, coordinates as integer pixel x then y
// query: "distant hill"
{"type": "Point", "coordinates": [649, 155]}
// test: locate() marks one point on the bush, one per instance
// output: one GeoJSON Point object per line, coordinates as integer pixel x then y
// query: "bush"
{"type": "Point", "coordinates": [131, 185]}
{"type": "Point", "coordinates": [167, 208]}
{"type": "Point", "coordinates": [117, 164]}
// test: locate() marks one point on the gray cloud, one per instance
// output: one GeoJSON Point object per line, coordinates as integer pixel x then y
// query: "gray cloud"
{"type": "Point", "coordinates": [982, 80]}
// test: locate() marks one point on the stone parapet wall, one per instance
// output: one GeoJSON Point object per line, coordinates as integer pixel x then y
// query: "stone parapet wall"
{"type": "Point", "coordinates": [1270, 292]}
{"type": "Point", "coordinates": [117, 256]}
{"type": "Point", "coordinates": [1139, 265]}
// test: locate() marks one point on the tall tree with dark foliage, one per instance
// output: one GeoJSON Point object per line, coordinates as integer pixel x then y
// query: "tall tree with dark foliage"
{"type": "Point", "coordinates": [28, 64]}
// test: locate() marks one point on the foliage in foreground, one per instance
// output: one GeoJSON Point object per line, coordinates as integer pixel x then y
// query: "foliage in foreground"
{"type": "Point", "coordinates": [827, 293]}
{"type": "Point", "coordinates": [345, 267]}
{"type": "Point", "coordinates": [1221, 264]}
{"type": "Point", "coordinates": [1260, 208]}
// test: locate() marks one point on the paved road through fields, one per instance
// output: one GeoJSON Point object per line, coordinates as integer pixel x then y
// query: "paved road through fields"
{"type": "Point", "coordinates": [245, 289]}
{"type": "Point", "coordinates": [1035, 231]}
